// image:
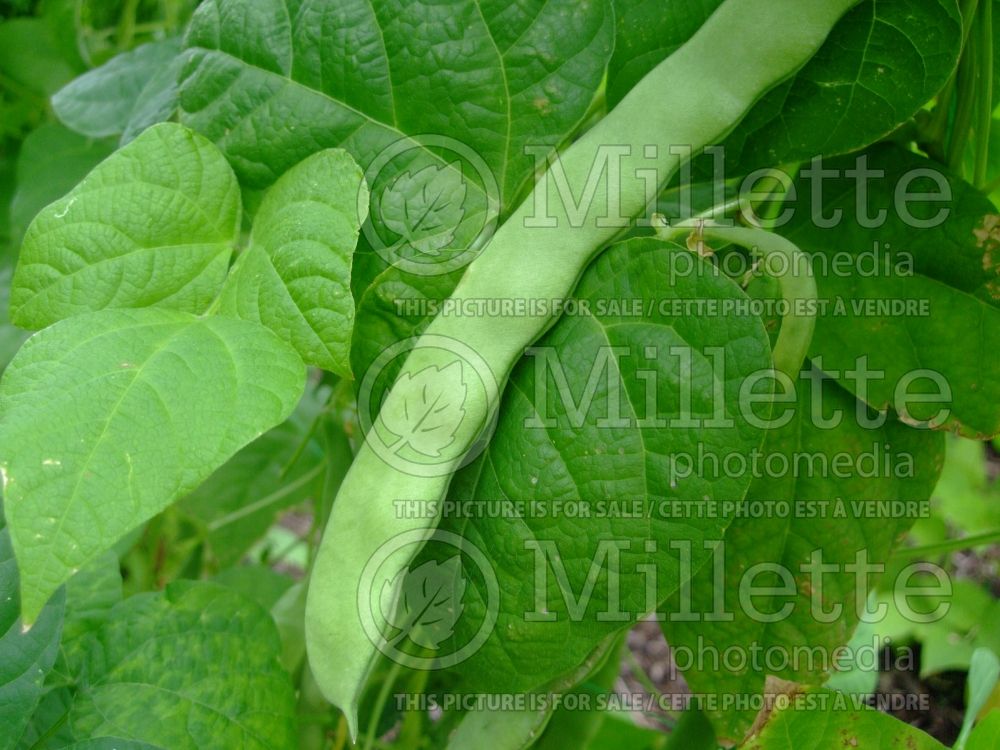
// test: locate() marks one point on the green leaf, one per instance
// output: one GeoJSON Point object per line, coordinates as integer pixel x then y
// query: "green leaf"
{"type": "Point", "coordinates": [25, 657]}
{"type": "Point", "coordinates": [258, 583]}
{"type": "Point", "coordinates": [429, 601]}
{"type": "Point", "coordinates": [948, 230]}
{"type": "Point", "coordinates": [395, 306]}
{"type": "Point", "coordinates": [519, 728]}
{"type": "Point", "coordinates": [618, 471]}
{"type": "Point", "coordinates": [937, 368]}
{"type": "Point", "coordinates": [243, 497]}
{"type": "Point", "coordinates": [296, 276]}
{"type": "Point", "coordinates": [832, 510]}
{"type": "Point", "coordinates": [916, 305]}
{"type": "Point", "coordinates": [52, 160]}
{"type": "Point", "coordinates": [116, 97]}
{"type": "Point", "coordinates": [965, 498]}
{"type": "Point", "coordinates": [823, 720]}
{"type": "Point", "coordinates": [91, 594]}
{"type": "Point", "coordinates": [619, 731]}
{"type": "Point", "coordinates": [272, 81]}
{"type": "Point", "coordinates": [152, 225]}
{"type": "Point", "coordinates": [193, 667]}
{"type": "Point", "coordinates": [108, 418]}
{"type": "Point", "coordinates": [986, 735]}
{"type": "Point", "coordinates": [984, 671]}
{"type": "Point", "coordinates": [881, 63]}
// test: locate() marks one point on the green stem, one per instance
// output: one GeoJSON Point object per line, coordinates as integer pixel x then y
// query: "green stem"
{"type": "Point", "coordinates": [985, 92]}
{"type": "Point", "coordinates": [798, 286]}
{"type": "Point", "coordinates": [937, 128]}
{"type": "Point", "coordinates": [951, 545]}
{"type": "Point", "coordinates": [126, 25]}
{"type": "Point", "coordinates": [313, 713]}
{"type": "Point", "coordinates": [968, 10]}
{"type": "Point", "coordinates": [274, 497]}
{"type": "Point", "coordinates": [967, 97]}
{"type": "Point", "coordinates": [963, 115]}
{"type": "Point", "coordinates": [771, 206]}
{"type": "Point", "coordinates": [380, 700]}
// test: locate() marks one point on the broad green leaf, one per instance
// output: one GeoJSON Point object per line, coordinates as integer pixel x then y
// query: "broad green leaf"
{"type": "Point", "coordinates": [577, 728]}
{"type": "Point", "coordinates": [916, 300]}
{"type": "Point", "coordinates": [395, 306]}
{"type": "Point", "coordinates": [296, 276]}
{"type": "Point", "coordinates": [47, 729]}
{"type": "Point", "coordinates": [157, 102]}
{"type": "Point", "coordinates": [153, 225]}
{"type": "Point", "coordinates": [401, 71]}
{"type": "Point", "coordinates": [826, 501]}
{"type": "Point", "coordinates": [858, 676]}
{"type": "Point", "coordinates": [91, 594]}
{"type": "Point", "coordinates": [952, 642]}
{"type": "Point", "coordinates": [984, 671]}
{"type": "Point", "coordinates": [273, 81]}
{"type": "Point", "coordinates": [986, 735]}
{"type": "Point", "coordinates": [618, 731]}
{"type": "Point", "coordinates": [258, 583]}
{"type": "Point", "coordinates": [243, 497]}
{"type": "Point", "coordinates": [289, 614]}
{"type": "Point", "coordinates": [588, 486]}
{"type": "Point", "coordinates": [881, 63]}
{"type": "Point", "coordinates": [965, 498]}
{"type": "Point", "coordinates": [514, 729]}
{"type": "Point", "coordinates": [106, 101]}
{"type": "Point", "coordinates": [948, 642]}
{"type": "Point", "coordinates": [429, 601]}
{"type": "Point", "coordinates": [52, 160]}
{"type": "Point", "coordinates": [938, 367]}
{"type": "Point", "coordinates": [108, 418]}
{"type": "Point", "coordinates": [25, 657]}
{"type": "Point", "coordinates": [193, 667]}
{"type": "Point", "coordinates": [823, 720]}
{"type": "Point", "coordinates": [920, 218]}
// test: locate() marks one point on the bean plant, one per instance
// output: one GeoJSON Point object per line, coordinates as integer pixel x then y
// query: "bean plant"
{"type": "Point", "coordinates": [375, 373]}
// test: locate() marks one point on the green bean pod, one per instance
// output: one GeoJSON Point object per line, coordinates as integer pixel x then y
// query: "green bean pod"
{"type": "Point", "coordinates": [794, 276]}
{"type": "Point", "coordinates": [693, 98]}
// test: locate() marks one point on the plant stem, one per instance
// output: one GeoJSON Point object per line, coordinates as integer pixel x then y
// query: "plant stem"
{"type": "Point", "coordinates": [951, 545]}
{"type": "Point", "coordinates": [985, 92]}
{"type": "Point", "coordinates": [798, 285]}
{"type": "Point", "coordinates": [126, 25]}
{"type": "Point", "coordinates": [963, 114]}
{"type": "Point", "coordinates": [274, 497]}
{"type": "Point", "coordinates": [937, 128]}
{"type": "Point", "coordinates": [967, 95]}
{"type": "Point", "coordinates": [380, 700]}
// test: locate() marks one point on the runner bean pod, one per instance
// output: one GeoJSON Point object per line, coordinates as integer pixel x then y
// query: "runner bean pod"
{"type": "Point", "coordinates": [695, 97]}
